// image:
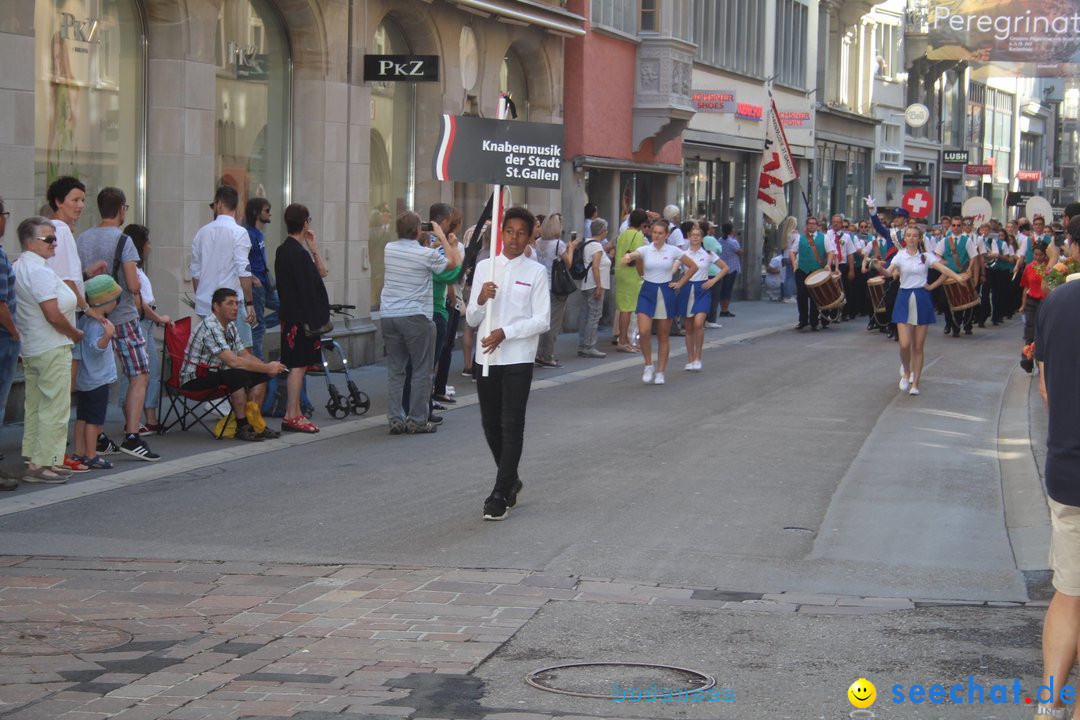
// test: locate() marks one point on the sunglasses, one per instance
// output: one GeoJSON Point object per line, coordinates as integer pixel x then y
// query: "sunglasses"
{"type": "Point", "coordinates": [51, 239]}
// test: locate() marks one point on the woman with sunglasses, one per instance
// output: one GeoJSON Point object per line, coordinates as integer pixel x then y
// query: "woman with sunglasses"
{"type": "Point", "coordinates": [45, 316]}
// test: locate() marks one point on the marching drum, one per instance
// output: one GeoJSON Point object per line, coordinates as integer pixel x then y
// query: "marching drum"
{"type": "Point", "coordinates": [825, 289]}
{"type": "Point", "coordinates": [876, 287]}
{"type": "Point", "coordinates": [961, 295]}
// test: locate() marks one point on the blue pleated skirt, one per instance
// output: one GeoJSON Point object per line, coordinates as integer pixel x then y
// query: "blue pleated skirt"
{"type": "Point", "coordinates": [693, 299]}
{"type": "Point", "coordinates": [657, 300]}
{"type": "Point", "coordinates": [914, 306]}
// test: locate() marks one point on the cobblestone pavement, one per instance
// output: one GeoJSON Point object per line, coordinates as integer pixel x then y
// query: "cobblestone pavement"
{"type": "Point", "coordinates": [90, 639]}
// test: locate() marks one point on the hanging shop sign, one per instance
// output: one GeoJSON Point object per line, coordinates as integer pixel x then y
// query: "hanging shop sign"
{"type": "Point", "coordinates": [1043, 37]}
{"type": "Point", "coordinates": [794, 119]}
{"type": "Point", "coordinates": [1029, 175]}
{"type": "Point", "coordinates": [746, 111]}
{"type": "Point", "coordinates": [956, 157]}
{"type": "Point", "coordinates": [979, 169]}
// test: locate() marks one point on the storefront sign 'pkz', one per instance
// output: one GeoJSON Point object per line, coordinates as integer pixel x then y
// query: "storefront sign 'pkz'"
{"type": "Point", "coordinates": [401, 68]}
{"type": "Point", "coordinates": [1042, 36]}
{"type": "Point", "coordinates": [499, 152]}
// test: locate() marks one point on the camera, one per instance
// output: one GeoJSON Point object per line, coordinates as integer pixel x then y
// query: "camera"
{"type": "Point", "coordinates": [427, 226]}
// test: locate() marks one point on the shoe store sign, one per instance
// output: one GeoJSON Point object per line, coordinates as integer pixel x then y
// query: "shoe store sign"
{"type": "Point", "coordinates": [401, 68]}
{"type": "Point", "coordinates": [499, 152]}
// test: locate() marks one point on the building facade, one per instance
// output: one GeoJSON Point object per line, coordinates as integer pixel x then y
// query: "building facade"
{"type": "Point", "coordinates": [168, 98]}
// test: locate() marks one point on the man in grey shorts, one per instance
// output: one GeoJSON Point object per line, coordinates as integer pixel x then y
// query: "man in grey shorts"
{"type": "Point", "coordinates": [1056, 328]}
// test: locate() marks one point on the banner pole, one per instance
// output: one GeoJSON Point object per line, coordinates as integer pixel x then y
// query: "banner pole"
{"type": "Point", "coordinates": [495, 248]}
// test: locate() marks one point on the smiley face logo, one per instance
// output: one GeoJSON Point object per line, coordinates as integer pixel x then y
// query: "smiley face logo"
{"type": "Point", "coordinates": [862, 693]}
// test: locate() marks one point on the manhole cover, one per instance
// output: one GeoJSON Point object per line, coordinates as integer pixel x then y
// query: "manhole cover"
{"type": "Point", "coordinates": [602, 679]}
{"type": "Point", "coordinates": [42, 638]}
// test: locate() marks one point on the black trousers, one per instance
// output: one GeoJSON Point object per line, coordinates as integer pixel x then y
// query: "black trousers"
{"type": "Point", "coordinates": [503, 395]}
{"type": "Point", "coordinates": [232, 378]}
{"type": "Point", "coordinates": [1002, 294]}
{"type": "Point", "coordinates": [808, 309]}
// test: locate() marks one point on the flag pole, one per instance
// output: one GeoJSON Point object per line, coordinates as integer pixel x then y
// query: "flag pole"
{"type": "Point", "coordinates": [495, 246]}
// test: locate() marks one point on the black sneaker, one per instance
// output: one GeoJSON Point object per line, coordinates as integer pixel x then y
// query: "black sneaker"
{"type": "Point", "coordinates": [136, 448]}
{"type": "Point", "coordinates": [248, 434]}
{"type": "Point", "coordinates": [511, 497]}
{"type": "Point", "coordinates": [436, 405]}
{"type": "Point", "coordinates": [434, 419]}
{"type": "Point", "coordinates": [105, 446]}
{"type": "Point", "coordinates": [495, 507]}
{"type": "Point", "coordinates": [415, 428]}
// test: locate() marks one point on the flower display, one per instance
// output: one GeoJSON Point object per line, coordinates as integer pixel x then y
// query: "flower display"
{"type": "Point", "coordinates": [1059, 272]}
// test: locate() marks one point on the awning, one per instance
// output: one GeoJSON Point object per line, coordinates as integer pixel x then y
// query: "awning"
{"type": "Point", "coordinates": [889, 167]}
{"type": "Point", "coordinates": [603, 163]}
{"type": "Point", "coordinates": [526, 12]}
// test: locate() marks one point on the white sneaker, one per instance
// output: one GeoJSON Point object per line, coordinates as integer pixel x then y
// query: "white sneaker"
{"type": "Point", "coordinates": [913, 391]}
{"type": "Point", "coordinates": [450, 391]}
{"type": "Point", "coordinates": [904, 383]}
{"type": "Point", "coordinates": [713, 326]}
{"type": "Point", "coordinates": [659, 379]}
{"type": "Point", "coordinates": [697, 365]}
{"type": "Point", "coordinates": [689, 366]}
{"type": "Point", "coordinates": [649, 374]}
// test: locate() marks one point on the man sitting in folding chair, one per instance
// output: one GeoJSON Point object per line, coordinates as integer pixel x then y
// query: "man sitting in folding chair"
{"type": "Point", "coordinates": [216, 357]}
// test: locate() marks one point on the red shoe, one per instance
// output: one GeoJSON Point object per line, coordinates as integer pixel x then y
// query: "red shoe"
{"type": "Point", "coordinates": [299, 424]}
{"type": "Point", "coordinates": [75, 464]}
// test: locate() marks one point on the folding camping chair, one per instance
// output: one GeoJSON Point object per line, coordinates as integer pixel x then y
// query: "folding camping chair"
{"type": "Point", "coordinates": [186, 407]}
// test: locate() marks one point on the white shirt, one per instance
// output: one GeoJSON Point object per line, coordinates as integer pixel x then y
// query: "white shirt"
{"type": "Point", "coordinates": [35, 283]}
{"type": "Point", "coordinates": [704, 259]}
{"type": "Point", "coordinates": [659, 264]}
{"type": "Point", "coordinates": [145, 289]}
{"type": "Point", "coordinates": [971, 246]}
{"type": "Point", "coordinates": [676, 238]}
{"type": "Point", "coordinates": [912, 268]}
{"type": "Point", "coordinates": [843, 244]}
{"type": "Point", "coordinates": [796, 240]}
{"type": "Point", "coordinates": [1022, 241]}
{"type": "Point", "coordinates": [521, 307]}
{"type": "Point", "coordinates": [65, 262]}
{"type": "Point", "coordinates": [219, 258]}
{"type": "Point", "coordinates": [589, 283]}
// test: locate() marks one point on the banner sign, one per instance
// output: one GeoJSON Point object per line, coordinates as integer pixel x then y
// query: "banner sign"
{"type": "Point", "coordinates": [401, 68]}
{"type": "Point", "coordinates": [1029, 175]}
{"type": "Point", "coordinates": [794, 119]}
{"type": "Point", "coordinates": [957, 157]}
{"type": "Point", "coordinates": [1042, 35]}
{"type": "Point", "coordinates": [1053, 183]}
{"type": "Point", "coordinates": [499, 152]}
{"type": "Point", "coordinates": [713, 101]}
{"type": "Point", "coordinates": [777, 169]}
{"type": "Point", "coordinates": [979, 169]}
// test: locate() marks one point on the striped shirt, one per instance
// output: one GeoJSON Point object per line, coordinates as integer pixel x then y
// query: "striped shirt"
{"type": "Point", "coordinates": [407, 285]}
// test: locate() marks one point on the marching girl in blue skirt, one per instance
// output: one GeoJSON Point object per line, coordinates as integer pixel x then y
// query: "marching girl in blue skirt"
{"type": "Point", "coordinates": [657, 299]}
{"type": "Point", "coordinates": [914, 310]}
{"type": "Point", "coordinates": [695, 298]}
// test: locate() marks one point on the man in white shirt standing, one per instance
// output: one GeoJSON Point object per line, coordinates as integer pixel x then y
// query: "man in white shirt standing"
{"type": "Point", "coordinates": [516, 301]}
{"type": "Point", "coordinates": [219, 259]}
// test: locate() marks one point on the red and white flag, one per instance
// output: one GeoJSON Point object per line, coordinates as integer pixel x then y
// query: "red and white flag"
{"type": "Point", "coordinates": [777, 169]}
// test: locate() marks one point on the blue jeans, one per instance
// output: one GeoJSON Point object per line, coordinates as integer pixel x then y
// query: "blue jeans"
{"type": "Point", "coordinates": [263, 301]}
{"type": "Point", "coordinates": [9, 360]}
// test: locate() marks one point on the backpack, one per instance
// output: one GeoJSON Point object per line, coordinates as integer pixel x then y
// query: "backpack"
{"type": "Point", "coordinates": [579, 269]}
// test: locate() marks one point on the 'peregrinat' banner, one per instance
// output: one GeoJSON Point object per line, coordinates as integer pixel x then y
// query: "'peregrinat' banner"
{"type": "Point", "coordinates": [1041, 35]}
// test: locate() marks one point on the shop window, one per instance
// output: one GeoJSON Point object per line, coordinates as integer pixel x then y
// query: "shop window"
{"type": "Point", "coordinates": [251, 142]}
{"type": "Point", "coordinates": [392, 173]}
{"type": "Point", "coordinates": [90, 103]}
